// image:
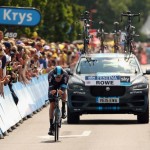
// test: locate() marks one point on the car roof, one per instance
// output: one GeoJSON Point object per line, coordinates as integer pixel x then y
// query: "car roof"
{"type": "Point", "coordinates": [112, 55]}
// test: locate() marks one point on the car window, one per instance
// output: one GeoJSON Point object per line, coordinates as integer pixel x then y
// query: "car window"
{"type": "Point", "coordinates": [107, 64]}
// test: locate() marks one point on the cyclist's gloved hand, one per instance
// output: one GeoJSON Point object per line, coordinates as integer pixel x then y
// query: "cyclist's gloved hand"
{"type": "Point", "coordinates": [60, 92]}
{"type": "Point", "coordinates": [53, 92]}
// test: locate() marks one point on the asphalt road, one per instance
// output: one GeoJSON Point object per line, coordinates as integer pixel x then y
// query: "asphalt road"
{"type": "Point", "coordinates": [94, 132]}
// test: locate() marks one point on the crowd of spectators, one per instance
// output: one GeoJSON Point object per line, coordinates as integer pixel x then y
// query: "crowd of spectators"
{"type": "Point", "coordinates": [24, 58]}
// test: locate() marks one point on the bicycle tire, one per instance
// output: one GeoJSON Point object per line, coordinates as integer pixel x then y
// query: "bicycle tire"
{"type": "Point", "coordinates": [56, 128]}
{"type": "Point", "coordinates": [128, 51]}
{"type": "Point", "coordinates": [129, 48]}
{"type": "Point", "coordinates": [56, 118]}
{"type": "Point", "coordinates": [116, 48]}
{"type": "Point", "coordinates": [102, 48]}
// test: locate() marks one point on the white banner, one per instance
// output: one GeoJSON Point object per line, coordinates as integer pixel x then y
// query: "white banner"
{"type": "Point", "coordinates": [102, 80]}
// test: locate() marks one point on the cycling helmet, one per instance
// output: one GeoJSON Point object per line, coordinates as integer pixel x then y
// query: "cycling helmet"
{"type": "Point", "coordinates": [58, 71]}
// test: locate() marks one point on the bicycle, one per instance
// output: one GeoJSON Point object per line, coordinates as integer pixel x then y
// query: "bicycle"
{"type": "Point", "coordinates": [130, 33]}
{"type": "Point", "coordinates": [101, 34]}
{"type": "Point", "coordinates": [116, 36]}
{"type": "Point", "coordinates": [57, 117]}
{"type": "Point", "coordinates": [86, 35]}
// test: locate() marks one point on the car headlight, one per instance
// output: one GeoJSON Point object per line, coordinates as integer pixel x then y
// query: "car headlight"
{"type": "Point", "coordinates": [140, 86]}
{"type": "Point", "coordinates": [76, 87]}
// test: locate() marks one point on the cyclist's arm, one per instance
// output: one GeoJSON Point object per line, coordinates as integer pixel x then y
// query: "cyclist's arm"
{"type": "Point", "coordinates": [50, 83]}
{"type": "Point", "coordinates": [64, 86]}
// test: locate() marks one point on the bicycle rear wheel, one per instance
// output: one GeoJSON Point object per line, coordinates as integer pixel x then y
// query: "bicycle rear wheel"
{"type": "Point", "coordinates": [102, 48]}
{"type": "Point", "coordinates": [128, 51]}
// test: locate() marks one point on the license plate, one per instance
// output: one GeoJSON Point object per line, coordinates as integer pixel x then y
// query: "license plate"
{"type": "Point", "coordinates": [108, 100]}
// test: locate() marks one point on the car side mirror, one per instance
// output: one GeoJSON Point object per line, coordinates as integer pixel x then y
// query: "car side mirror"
{"type": "Point", "coordinates": [68, 70]}
{"type": "Point", "coordinates": [147, 72]}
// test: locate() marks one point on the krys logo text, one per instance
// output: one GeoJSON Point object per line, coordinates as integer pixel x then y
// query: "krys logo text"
{"type": "Point", "coordinates": [19, 16]}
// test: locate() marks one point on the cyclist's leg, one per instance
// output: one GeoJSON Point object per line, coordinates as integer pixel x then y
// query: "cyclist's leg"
{"type": "Point", "coordinates": [63, 110]}
{"type": "Point", "coordinates": [51, 110]}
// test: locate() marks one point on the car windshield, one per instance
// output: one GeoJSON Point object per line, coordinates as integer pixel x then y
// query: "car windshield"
{"type": "Point", "coordinates": [107, 65]}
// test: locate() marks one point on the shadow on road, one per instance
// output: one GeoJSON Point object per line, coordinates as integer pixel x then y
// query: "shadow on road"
{"type": "Point", "coordinates": [50, 141]}
{"type": "Point", "coordinates": [105, 122]}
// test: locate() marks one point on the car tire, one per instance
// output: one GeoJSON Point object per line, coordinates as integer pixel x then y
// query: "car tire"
{"type": "Point", "coordinates": [72, 118]}
{"type": "Point", "coordinates": [144, 117]}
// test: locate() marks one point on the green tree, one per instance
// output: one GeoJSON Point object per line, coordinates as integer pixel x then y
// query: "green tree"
{"type": "Point", "coordinates": [110, 11]}
{"type": "Point", "coordinates": [59, 20]}
{"type": "Point", "coordinates": [17, 3]}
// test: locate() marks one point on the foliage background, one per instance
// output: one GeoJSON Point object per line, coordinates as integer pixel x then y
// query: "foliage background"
{"type": "Point", "coordinates": [61, 18]}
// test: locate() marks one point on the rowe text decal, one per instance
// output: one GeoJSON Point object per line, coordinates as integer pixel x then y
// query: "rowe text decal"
{"type": "Point", "coordinates": [19, 16]}
{"type": "Point", "coordinates": [102, 80]}
{"type": "Point", "coordinates": [107, 80]}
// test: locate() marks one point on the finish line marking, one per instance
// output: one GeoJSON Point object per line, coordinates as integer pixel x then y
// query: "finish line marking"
{"type": "Point", "coordinates": [84, 134]}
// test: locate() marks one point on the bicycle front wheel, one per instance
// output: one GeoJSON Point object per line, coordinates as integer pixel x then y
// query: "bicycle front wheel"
{"type": "Point", "coordinates": [56, 129]}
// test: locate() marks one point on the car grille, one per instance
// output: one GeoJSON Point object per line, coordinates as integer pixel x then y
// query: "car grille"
{"type": "Point", "coordinates": [107, 90]}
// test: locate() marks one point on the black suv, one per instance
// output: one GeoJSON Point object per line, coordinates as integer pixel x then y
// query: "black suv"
{"type": "Point", "coordinates": [108, 83]}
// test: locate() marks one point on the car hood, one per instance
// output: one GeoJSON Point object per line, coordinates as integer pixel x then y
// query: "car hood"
{"type": "Point", "coordinates": [134, 78]}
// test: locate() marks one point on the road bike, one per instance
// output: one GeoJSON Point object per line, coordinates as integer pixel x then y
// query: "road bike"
{"type": "Point", "coordinates": [116, 36]}
{"type": "Point", "coordinates": [101, 34]}
{"type": "Point", "coordinates": [85, 17]}
{"type": "Point", "coordinates": [129, 33]}
{"type": "Point", "coordinates": [57, 117]}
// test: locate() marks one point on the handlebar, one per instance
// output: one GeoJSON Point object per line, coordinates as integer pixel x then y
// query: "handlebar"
{"type": "Point", "coordinates": [100, 33]}
{"type": "Point", "coordinates": [136, 35]}
{"type": "Point", "coordinates": [101, 26]}
{"type": "Point", "coordinates": [101, 22]}
{"type": "Point", "coordinates": [116, 23]}
{"type": "Point", "coordinates": [56, 96]}
{"type": "Point", "coordinates": [129, 15]}
{"type": "Point", "coordinates": [116, 33]}
{"type": "Point", "coordinates": [86, 12]}
{"type": "Point", "coordinates": [56, 93]}
{"type": "Point", "coordinates": [85, 15]}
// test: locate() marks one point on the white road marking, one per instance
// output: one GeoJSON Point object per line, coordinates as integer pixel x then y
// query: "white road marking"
{"type": "Point", "coordinates": [84, 134]}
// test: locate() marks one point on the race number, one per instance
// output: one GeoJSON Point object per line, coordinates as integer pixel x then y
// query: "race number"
{"type": "Point", "coordinates": [11, 34]}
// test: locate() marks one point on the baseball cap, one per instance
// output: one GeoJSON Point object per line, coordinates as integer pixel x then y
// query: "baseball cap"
{"type": "Point", "coordinates": [7, 44]}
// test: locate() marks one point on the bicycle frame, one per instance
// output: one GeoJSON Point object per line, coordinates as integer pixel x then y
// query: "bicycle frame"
{"type": "Point", "coordinates": [86, 35]}
{"type": "Point", "coordinates": [116, 37]}
{"type": "Point", "coordinates": [128, 47]}
{"type": "Point", "coordinates": [101, 34]}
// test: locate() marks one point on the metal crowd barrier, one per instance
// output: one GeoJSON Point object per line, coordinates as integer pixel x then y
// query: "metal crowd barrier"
{"type": "Point", "coordinates": [32, 98]}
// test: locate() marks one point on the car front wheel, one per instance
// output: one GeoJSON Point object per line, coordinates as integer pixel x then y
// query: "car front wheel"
{"type": "Point", "coordinates": [72, 118]}
{"type": "Point", "coordinates": [144, 117]}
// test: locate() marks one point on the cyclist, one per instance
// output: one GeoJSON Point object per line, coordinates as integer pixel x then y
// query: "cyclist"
{"type": "Point", "coordinates": [57, 79]}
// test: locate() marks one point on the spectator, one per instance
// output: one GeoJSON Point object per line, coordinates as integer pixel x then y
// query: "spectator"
{"type": "Point", "coordinates": [1, 36]}
{"type": "Point", "coordinates": [143, 57]}
{"type": "Point", "coordinates": [39, 48]}
{"type": "Point", "coordinates": [2, 69]}
{"type": "Point", "coordinates": [7, 50]}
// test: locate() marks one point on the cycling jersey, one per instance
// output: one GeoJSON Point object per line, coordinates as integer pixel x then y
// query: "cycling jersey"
{"type": "Point", "coordinates": [53, 85]}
